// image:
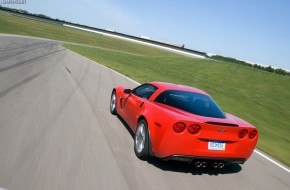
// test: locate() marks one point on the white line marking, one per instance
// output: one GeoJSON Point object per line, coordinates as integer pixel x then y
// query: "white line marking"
{"type": "Point", "coordinates": [271, 160]}
{"type": "Point", "coordinates": [136, 41]}
{"type": "Point", "coordinates": [122, 75]}
{"type": "Point", "coordinates": [107, 49]}
{"type": "Point", "coordinates": [256, 151]}
{"type": "Point", "coordinates": [137, 83]}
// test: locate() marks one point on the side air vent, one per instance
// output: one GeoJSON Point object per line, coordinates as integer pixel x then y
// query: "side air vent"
{"type": "Point", "coordinates": [223, 124]}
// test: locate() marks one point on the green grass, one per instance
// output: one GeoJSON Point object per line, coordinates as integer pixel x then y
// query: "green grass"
{"type": "Point", "coordinates": [261, 98]}
{"type": "Point", "coordinates": [17, 25]}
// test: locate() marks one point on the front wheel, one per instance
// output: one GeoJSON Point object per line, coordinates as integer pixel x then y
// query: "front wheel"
{"type": "Point", "coordinates": [113, 103]}
{"type": "Point", "coordinates": [141, 141]}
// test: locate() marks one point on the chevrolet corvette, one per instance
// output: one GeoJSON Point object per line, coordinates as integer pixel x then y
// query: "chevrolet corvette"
{"type": "Point", "coordinates": [176, 122]}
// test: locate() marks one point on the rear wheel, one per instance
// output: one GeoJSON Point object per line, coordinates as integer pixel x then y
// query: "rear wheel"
{"type": "Point", "coordinates": [141, 141]}
{"type": "Point", "coordinates": [113, 103]}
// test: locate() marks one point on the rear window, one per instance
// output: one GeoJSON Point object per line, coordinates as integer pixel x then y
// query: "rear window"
{"type": "Point", "coordinates": [199, 104]}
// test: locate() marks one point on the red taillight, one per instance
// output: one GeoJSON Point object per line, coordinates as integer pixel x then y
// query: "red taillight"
{"type": "Point", "coordinates": [179, 127]}
{"type": "Point", "coordinates": [252, 134]}
{"type": "Point", "coordinates": [193, 129]}
{"type": "Point", "coordinates": [243, 133]}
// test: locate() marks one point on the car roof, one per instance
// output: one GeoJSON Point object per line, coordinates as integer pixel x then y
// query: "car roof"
{"type": "Point", "coordinates": [170, 86]}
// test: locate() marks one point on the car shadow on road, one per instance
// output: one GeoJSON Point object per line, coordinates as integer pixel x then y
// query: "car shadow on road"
{"type": "Point", "coordinates": [183, 167]}
{"type": "Point", "coordinates": [126, 126]}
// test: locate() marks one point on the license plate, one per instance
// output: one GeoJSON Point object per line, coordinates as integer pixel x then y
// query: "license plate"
{"type": "Point", "coordinates": [216, 145]}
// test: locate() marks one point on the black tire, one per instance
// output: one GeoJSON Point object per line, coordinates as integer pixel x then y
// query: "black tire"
{"type": "Point", "coordinates": [113, 103]}
{"type": "Point", "coordinates": [142, 151]}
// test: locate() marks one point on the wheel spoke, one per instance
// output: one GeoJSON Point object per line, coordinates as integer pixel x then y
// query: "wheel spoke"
{"type": "Point", "coordinates": [140, 138]}
{"type": "Point", "coordinates": [113, 102]}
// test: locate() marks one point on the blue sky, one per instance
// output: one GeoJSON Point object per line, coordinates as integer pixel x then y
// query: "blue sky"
{"type": "Point", "coordinates": [251, 30]}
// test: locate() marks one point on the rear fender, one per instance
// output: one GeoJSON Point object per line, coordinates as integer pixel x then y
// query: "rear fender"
{"type": "Point", "coordinates": [158, 122]}
{"type": "Point", "coordinates": [147, 114]}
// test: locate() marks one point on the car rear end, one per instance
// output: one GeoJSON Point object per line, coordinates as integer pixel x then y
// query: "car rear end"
{"type": "Point", "coordinates": [195, 128]}
{"type": "Point", "coordinates": [207, 141]}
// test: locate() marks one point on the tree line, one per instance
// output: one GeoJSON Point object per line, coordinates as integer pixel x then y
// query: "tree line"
{"type": "Point", "coordinates": [268, 68]}
{"type": "Point", "coordinates": [24, 12]}
{"type": "Point", "coordinates": [216, 57]}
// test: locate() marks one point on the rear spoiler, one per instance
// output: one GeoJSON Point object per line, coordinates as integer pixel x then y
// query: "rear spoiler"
{"type": "Point", "coordinates": [222, 124]}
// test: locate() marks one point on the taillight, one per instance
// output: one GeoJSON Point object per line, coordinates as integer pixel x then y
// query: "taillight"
{"type": "Point", "coordinates": [243, 133]}
{"type": "Point", "coordinates": [179, 127]}
{"type": "Point", "coordinates": [193, 129]}
{"type": "Point", "coordinates": [252, 134]}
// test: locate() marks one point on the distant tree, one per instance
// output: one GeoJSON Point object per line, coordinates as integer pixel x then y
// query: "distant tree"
{"type": "Point", "coordinates": [257, 66]}
{"type": "Point", "coordinates": [23, 11]}
{"type": "Point", "coordinates": [269, 69]}
{"type": "Point", "coordinates": [281, 72]}
{"type": "Point", "coordinates": [42, 16]}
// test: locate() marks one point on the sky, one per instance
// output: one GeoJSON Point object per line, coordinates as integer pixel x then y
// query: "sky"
{"type": "Point", "coordinates": [256, 31]}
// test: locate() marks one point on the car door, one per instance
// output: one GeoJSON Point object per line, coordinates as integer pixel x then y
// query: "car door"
{"type": "Point", "coordinates": [132, 105]}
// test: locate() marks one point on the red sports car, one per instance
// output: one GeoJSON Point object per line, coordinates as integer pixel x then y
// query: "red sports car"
{"type": "Point", "coordinates": [176, 122]}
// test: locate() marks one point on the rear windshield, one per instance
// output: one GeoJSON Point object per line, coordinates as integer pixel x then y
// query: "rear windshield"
{"type": "Point", "coordinates": [199, 104]}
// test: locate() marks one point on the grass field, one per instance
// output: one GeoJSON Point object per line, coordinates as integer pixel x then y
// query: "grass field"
{"type": "Point", "coordinates": [17, 25]}
{"type": "Point", "coordinates": [259, 97]}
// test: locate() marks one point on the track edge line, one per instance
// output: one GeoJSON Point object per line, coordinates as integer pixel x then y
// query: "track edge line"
{"type": "Point", "coordinates": [267, 157]}
{"type": "Point", "coordinates": [262, 154]}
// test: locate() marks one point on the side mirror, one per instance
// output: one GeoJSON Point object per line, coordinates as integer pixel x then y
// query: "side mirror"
{"type": "Point", "coordinates": [127, 91]}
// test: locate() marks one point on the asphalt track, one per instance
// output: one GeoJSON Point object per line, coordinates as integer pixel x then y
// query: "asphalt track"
{"type": "Point", "coordinates": [56, 131]}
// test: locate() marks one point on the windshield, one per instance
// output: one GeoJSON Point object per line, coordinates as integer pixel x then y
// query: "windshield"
{"type": "Point", "coordinates": [199, 104]}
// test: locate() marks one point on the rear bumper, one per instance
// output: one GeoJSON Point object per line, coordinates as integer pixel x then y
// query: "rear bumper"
{"type": "Point", "coordinates": [209, 159]}
{"type": "Point", "coordinates": [167, 144]}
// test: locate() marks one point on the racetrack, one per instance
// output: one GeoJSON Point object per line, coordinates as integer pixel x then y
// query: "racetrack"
{"type": "Point", "coordinates": [56, 131]}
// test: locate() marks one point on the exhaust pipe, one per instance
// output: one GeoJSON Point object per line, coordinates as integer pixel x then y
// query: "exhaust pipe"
{"type": "Point", "coordinates": [215, 164]}
{"type": "Point", "coordinates": [198, 164]}
{"type": "Point", "coordinates": [204, 164]}
{"type": "Point", "coordinates": [221, 165]}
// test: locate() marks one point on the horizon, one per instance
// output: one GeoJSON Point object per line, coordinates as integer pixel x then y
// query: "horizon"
{"type": "Point", "coordinates": [256, 31]}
